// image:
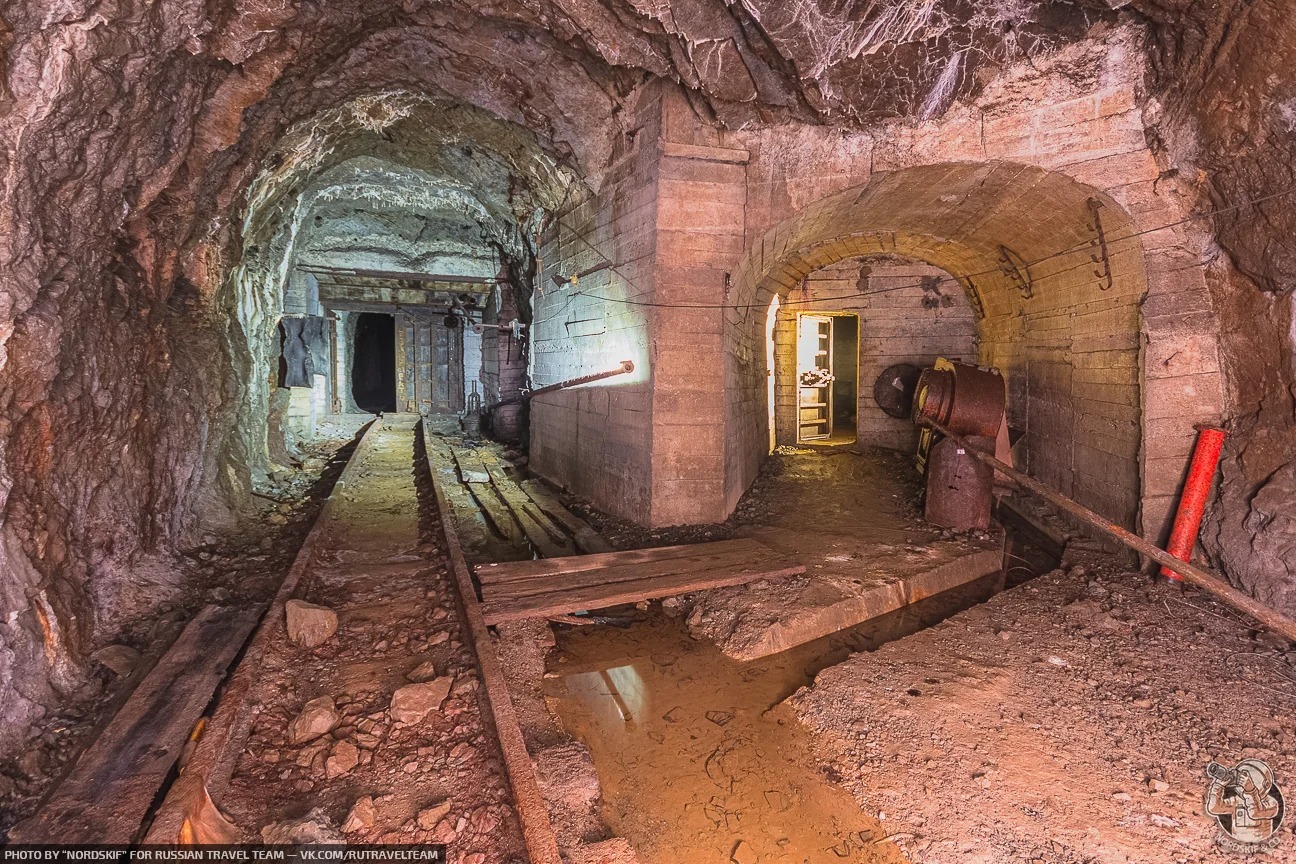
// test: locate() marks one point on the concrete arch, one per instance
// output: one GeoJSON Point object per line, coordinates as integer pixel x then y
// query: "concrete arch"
{"type": "Point", "coordinates": [1058, 301]}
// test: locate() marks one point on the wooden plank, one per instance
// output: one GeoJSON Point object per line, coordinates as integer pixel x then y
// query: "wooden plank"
{"type": "Point", "coordinates": [701, 564]}
{"type": "Point", "coordinates": [107, 795]}
{"type": "Point", "coordinates": [470, 465]}
{"type": "Point", "coordinates": [505, 571]}
{"type": "Point", "coordinates": [587, 539]}
{"type": "Point", "coordinates": [548, 539]}
{"type": "Point", "coordinates": [537, 830]}
{"type": "Point", "coordinates": [496, 510]}
{"type": "Point", "coordinates": [601, 596]}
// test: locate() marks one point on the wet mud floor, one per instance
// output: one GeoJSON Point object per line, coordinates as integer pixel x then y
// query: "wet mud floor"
{"type": "Point", "coordinates": [699, 759]}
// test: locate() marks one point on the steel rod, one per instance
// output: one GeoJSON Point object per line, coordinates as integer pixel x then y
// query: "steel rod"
{"type": "Point", "coordinates": [1203, 579]}
{"type": "Point", "coordinates": [626, 366]}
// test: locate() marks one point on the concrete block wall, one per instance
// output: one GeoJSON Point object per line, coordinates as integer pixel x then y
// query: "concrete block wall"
{"type": "Point", "coordinates": [1105, 422]}
{"type": "Point", "coordinates": [1109, 363]}
{"type": "Point", "coordinates": [701, 228]}
{"type": "Point", "coordinates": [901, 320]}
{"type": "Point", "coordinates": [597, 439]}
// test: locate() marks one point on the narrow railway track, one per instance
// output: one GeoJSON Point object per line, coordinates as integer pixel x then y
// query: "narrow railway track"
{"type": "Point", "coordinates": [228, 767]}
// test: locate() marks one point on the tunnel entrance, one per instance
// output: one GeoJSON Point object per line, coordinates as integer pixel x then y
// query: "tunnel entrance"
{"type": "Point", "coordinates": [373, 364]}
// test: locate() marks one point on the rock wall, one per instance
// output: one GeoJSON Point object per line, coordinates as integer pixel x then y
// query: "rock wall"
{"type": "Point", "coordinates": [1225, 118]}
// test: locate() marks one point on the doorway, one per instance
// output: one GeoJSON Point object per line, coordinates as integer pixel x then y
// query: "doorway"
{"type": "Point", "coordinates": [373, 363]}
{"type": "Point", "coordinates": [827, 377]}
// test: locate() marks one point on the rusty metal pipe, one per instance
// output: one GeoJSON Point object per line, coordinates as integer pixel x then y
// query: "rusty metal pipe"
{"type": "Point", "coordinates": [625, 367]}
{"type": "Point", "coordinates": [1203, 579]}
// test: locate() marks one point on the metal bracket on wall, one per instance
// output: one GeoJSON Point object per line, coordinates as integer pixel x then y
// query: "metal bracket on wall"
{"type": "Point", "coordinates": [1099, 256]}
{"type": "Point", "coordinates": [1016, 269]}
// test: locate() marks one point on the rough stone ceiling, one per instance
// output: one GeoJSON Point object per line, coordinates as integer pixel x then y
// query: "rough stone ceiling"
{"type": "Point", "coordinates": [400, 154]}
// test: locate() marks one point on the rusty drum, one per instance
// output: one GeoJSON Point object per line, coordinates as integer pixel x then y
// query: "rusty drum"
{"type": "Point", "coordinates": [965, 399]}
{"type": "Point", "coordinates": [959, 488]}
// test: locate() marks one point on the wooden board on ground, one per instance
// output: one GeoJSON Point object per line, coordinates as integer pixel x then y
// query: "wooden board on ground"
{"type": "Point", "coordinates": [586, 537]}
{"type": "Point", "coordinates": [499, 513]}
{"type": "Point", "coordinates": [107, 795]}
{"type": "Point", "coordinates": [469, 519]}
{"type": "Point", "coordinates": [505, 571]}
{"type": "Point", "coordinates": [547, 538]}
{"type": "Point", "coordinates": [560, 585]}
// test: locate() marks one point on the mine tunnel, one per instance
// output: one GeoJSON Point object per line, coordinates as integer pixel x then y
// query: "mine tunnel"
{"type": "Point", "coordinates": [703, 432]}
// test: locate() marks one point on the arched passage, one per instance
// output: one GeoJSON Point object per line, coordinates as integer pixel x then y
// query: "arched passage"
{"type": "Point", "coordinates": [1054, 270]}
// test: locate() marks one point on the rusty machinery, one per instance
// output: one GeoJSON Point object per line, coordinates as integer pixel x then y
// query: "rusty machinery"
{"type": "Point", "coordinates": [969, 401]}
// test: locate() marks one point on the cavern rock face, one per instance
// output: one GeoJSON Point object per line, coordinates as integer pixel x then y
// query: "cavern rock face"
{"type": "Point", "coordinates": [179, 176]}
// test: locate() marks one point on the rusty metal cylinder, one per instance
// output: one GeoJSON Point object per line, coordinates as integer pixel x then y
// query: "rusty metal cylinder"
{"type": "Point", "coordinates": [959, 487]}
{"type": "Point", "coordinates": [964, 399]}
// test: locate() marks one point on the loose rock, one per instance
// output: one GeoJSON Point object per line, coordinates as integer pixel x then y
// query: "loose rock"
{"type": "Point", "coordinates": [363, 815]}
{"type": "Point", "coordinates": [317, 717]}
{"type": "Point", "coordinates": [429, 818]}
{"type": "Point", "coordinates": [344, 758]}
{"type": "Point", "coordinates": [121, 660]}
{"type": "Point", "coordinates": [309, 625]}
{"type": "Point", "coordinates": [412, 703]}
{"type": "Point", "coordinates": [314, 827]}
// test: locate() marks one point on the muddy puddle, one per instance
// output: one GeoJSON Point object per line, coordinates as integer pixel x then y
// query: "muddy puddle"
{"type": "Point", "coordinates": [699, 761]}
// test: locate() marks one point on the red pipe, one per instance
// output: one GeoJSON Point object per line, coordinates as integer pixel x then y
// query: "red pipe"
{"type": "Point", "coordinates": [1201, 474]}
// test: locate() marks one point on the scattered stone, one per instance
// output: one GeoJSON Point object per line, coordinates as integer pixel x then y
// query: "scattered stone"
{"type": "Point", "coordinates": [121, 660]}
{"type": "Point", "coordinates": [431, 816]}
{"type": "Point", "coordinates": [314, 827]}
{"type": "Point", "coordinates": [344, 758]}
{"type": "Point", "coordinates": [317, 717]}
{"type": "Point", "coordinates": [309, 625]}
{"type": "Point", "coordinates": [412, 703]}
{"type": "Point", "coordinates": [363, 815]}
{"type": "Point", "coordinates": [438, 638]}
{"type": "Point", "coordinates": [422, 673]}
{"type": "Point", "coordinates": [719, 718]}
{"type": "Point", "coordinates": [742, 853]}
{"type": "Point", "coordinates": [1157, 786]}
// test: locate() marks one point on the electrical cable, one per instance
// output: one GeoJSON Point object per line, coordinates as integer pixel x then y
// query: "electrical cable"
{"type": "Point", "coordinates": [1080, 247]}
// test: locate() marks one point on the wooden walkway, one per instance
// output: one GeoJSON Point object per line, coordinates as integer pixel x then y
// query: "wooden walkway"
{"type": "Point", "coordinates": [515, 590]}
